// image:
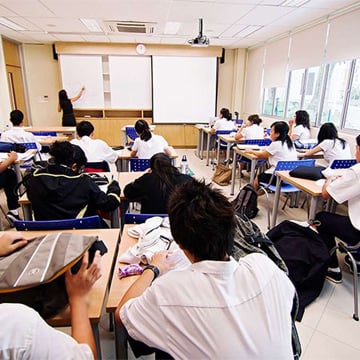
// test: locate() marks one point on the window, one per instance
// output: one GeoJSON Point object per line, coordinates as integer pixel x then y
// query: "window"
{"type": "Point", "coordinates": [295, 92]}
{"type": "Point", "coordinates": [312, 93]}
{"type": "Point", "coordinates": [279, 104]}
{"type": "Point", "coordinates": [353, 110]}
{"type": "Point", "coordinates": [335, 92]}
{"type": "Point", "coordinates": [274, 101]}
{"type": "Point", "coordinates": [269, 96]}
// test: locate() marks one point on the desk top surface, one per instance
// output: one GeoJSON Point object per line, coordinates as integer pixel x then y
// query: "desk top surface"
{"type": "Point", "coordinates": [97, 295]}
{"type": "Point", "coordinates": [48, 140]}
{"type": "Point", "coordinates": [124, 154]}
{"type": "Point", "coordinates": [50, 128]}
{"type": "Point", "coordinates": [311, 187]}
{"type": "Point", "coordinates": [119, 287]}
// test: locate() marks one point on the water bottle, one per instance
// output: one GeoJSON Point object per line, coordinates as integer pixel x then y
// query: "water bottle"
{"type": "Point", "coordinates": [184, 165]}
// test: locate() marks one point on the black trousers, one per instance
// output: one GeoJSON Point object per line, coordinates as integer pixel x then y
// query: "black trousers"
{"type": "Point", "coordinates": [8, 182]}
{"type": "Point", "coordinates": [335, 225]}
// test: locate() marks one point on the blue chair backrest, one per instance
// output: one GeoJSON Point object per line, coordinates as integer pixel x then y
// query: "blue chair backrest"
{"type": "Point", "coordinates": [222, 132]}
{"type": "Point", "coordinates": [290, 165]}
{"type": "Point", "coordinates": [29, 145]}
{"type": "Point", "coordinates": [130, 218]}
{"type": "Point", "coordinates": [239, 121]}
{"type": "Point", "coordinates": [90, 222]}
{"type": "Point", "coordinates": [342, 164]}
{"type": "Point", "coordinates": [260, 142]}
{"type": "Point", "coordinates": [139, 164]}
{"type": "Point", "coordinates": [131, 132]}
{"type": "Point", "coordinates": [44, 133]}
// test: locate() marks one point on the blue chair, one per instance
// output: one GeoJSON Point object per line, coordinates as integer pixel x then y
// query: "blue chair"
{"type": "Point", "coordinates": [130, 134]}
{"type": "Point", "coordinates": [44, 133]}
{"type": "Point", "coordinates": [139, 164]}
{"type": "Point", "coordinates": [30, 146]}
{"type": "Point", "coordinates": [342, 164]}
{"type": "Point", "coordinates": [239, 122]}
{"type": "Point", "coordinates": [133, 218]}
{"type": "Point", "coordinates": [90, 222]}
{"type": "Point", "coordinates": [285, 187]}
{"type": "Point", "coordinates": [260, 142]}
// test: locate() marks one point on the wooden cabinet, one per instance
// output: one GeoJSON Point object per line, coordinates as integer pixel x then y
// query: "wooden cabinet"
{"type": "Point", "coordinates": [109, 122]}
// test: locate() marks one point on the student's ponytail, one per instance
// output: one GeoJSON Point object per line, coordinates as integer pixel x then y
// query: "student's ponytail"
{"type": "Point", "coordinates": [143, 129]}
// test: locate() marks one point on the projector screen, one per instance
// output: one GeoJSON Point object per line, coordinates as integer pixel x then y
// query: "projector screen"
{"type": "Point", "coordinates": [184, 89]}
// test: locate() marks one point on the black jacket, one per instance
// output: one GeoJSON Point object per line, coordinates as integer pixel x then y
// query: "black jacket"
{"type": "Point", "coordinates": [58, 193]}
{"type": "Point", "coordinates": [148, 191]}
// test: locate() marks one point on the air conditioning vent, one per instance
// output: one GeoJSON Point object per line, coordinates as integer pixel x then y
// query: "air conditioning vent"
{"type": "Point", "coordinates": [129, 27]}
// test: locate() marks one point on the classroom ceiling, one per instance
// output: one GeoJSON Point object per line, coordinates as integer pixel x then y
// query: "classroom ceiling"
{"type": "Point", "coordinates": [227, 23]}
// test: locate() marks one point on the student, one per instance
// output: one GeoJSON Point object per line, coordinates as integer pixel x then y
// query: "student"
{"type": "Point", "coordinates": [281, 149]}
{"type": "Point", "coordinates": [153, 188]}
{"type": "Point", "coordinates": [148, 144]}
{"type": "Point", "coordinates": [330, 143]}
{"type": "Point", "coordinates": [251, 129]}
{"type": "Point", "coordinates": [65, 104]}
{"type": "Point", "coordinates": [96, 150]}
{"type": "Point", "coordinates": [26, 334]}
{"type": "Point", "coordinates": [300, 126]}
{"type": "Point", "coordinates": [224, 122]}
{"type": "Point", "coordinates": [61, 191]}
{"type": "Point", "coordinates": [8, 182]}
{"type": "Point", "coordinates": [208, 310]}
{"type": "Point", "coordinates": [346, 228]}
{"type": "Point", "coordinates": [17, 134]}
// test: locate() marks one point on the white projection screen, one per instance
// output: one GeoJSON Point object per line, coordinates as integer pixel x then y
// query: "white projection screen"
{"type": "Point", "coordinates": [184, 89]}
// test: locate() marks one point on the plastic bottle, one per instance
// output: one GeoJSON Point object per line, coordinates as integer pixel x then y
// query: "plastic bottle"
{"type": "Point", "coordinates": [184, 165]}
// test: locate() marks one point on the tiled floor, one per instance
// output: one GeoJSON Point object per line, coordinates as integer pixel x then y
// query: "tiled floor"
{"type": "Point", "coordinates": [327, 330]}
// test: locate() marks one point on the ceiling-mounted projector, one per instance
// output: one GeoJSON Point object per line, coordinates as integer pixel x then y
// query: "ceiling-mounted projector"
{"type": "Point", "coordinates": [200, 40]}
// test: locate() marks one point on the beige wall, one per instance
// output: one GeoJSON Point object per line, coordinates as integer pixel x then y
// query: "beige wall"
{"type": "Point", "coordinates": [42, 76]}
{"type": "Point", "coordinates": [5, 104]}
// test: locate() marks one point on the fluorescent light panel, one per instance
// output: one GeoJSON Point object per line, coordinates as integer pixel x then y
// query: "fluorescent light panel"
{"type": "Point", "coordinates": [91, 24]}
{"type": "Point", "coordinates": [10, 24]}
{"type": "Point", "coordinates": [296, 3]}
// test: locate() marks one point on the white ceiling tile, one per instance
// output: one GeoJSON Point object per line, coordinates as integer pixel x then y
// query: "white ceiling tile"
{"type": "Point", "coordinates": [27, 8]}
{"type": "Point", "coordinates": [95, 38]}
{"type": "Point", "coordinates": [328, 4]}
{"type": "Point", "coordinates": [6, 12]}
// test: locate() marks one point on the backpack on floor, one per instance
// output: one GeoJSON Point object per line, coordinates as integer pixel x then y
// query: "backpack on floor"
{"type": "Point", "coordinates": [245, 202]}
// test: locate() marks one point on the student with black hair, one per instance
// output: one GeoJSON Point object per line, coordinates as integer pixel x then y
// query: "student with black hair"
{"type": "Point", "coordinates": [300, 126]}
{"type": "Point", "coordinates": [224, 122]}
{"type": "Point", "coordinates": [251, 129]}
{"type": "Point", "coordinates": [148, 144]}
{"type": "Point", "coordinates": [96, 150]}
{"type": "Point", "coordinates": [17, 133]}
{"type": "Point", "coordinates": [281, 149]}
{"type": "Point", "coordinates": [62, 191]}
{"type": "Point", "coordinates": [65, 104]}
{"type": "Point", "coordinates": [331, 144]}
{"type": "Point", "coordinates": [152, 189]}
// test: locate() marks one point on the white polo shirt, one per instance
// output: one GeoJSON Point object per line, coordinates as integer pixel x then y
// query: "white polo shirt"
{"type": "Point", "coordinates": [280, 152]}
{"type": "Point", "coordinates": [25, 335]}
{"type": "Point", "coordinates": [346, 188]}
{"type": "Point", "coordinates": [146, 149]}
{"type": "Point", "coordinates": [301, 131]}
{"type": "Point", "coordinates": [224, 124]}
{"type": "Point", "coordinates": [216, 309]}
{"type": "Point", "coordinates": [17, 134]}
{"type": "Point", "coordinates": [334, 150]}
{"type": "Point", "coordinates": [96, 150]}
{"type": "Point", "coordinates": [253, 132]}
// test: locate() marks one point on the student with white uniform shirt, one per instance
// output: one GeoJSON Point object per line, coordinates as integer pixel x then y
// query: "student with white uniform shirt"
{"type": "Point", "coordinates": [224, 122]}
{"type": "Point", "coordinates": [17, 133]}
{"type": "Point", "coordinates": [347, 228]}
{"type": "Point", "coordinates": [96, 150]}
{"type": "Point", "coordinates": [251, 129]}
{"type": "Point", "coordinates": [300, 126]}
{"type": "Point", "coordinates": [208, 310]}
{"type": "Point", "coordinates": [148, 144]}
{"type": "Point", "coordinates": [281, 149]}
{"type": "Point", "coordinates": [330, 143]}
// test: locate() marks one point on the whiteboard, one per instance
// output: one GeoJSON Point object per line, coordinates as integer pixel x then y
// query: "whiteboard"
{"type": "Point", "coordinates": [83, 70]}
{"type": "Point", "coordinates": [130, 82]}
{"type": "Point", "coordinates": [184, 89]}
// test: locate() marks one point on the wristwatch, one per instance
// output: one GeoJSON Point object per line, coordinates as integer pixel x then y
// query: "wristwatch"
{"type": "Point", "coordinates": [154, 269]}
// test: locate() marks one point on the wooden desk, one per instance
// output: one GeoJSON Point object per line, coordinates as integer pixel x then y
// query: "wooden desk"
{"type": "Point", "coordinates": [58, 129]}
{"type": "Point", "coordinates": [122, 163]}
{"type": "Point", "coordinates": [98, 294]}
{"type": "Point", "coordinates": [253, 161]}
{"type": "Point", "coordinates": [117, 291]}
{"type": "Point", "coordinates": [310, 187]}
{"type": "Point", "coordinates": [49, 140]}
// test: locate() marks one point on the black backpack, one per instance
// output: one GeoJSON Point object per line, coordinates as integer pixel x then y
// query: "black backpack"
{"type": "Point", "coordinates": [245, 202]}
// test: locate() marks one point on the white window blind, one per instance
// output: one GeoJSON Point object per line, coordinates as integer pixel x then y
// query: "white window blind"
{"type": "Point", "coordinates": [343, 42]}
{"type": "Point", "coordinates": [276, 63]}
{"type": "Point", "coordinates": [307, 47]}
{"type": "Point", "coordinates": [253, 80]}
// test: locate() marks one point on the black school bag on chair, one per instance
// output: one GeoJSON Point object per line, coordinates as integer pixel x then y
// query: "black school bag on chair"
{"type": "Point", "coordinates": [245, 202]}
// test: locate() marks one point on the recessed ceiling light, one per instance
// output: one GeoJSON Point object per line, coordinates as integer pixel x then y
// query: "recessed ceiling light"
{"type": "Point", "coordinates": [10, 24]}
{"type": "Point", "coordinates": [91, 24]}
